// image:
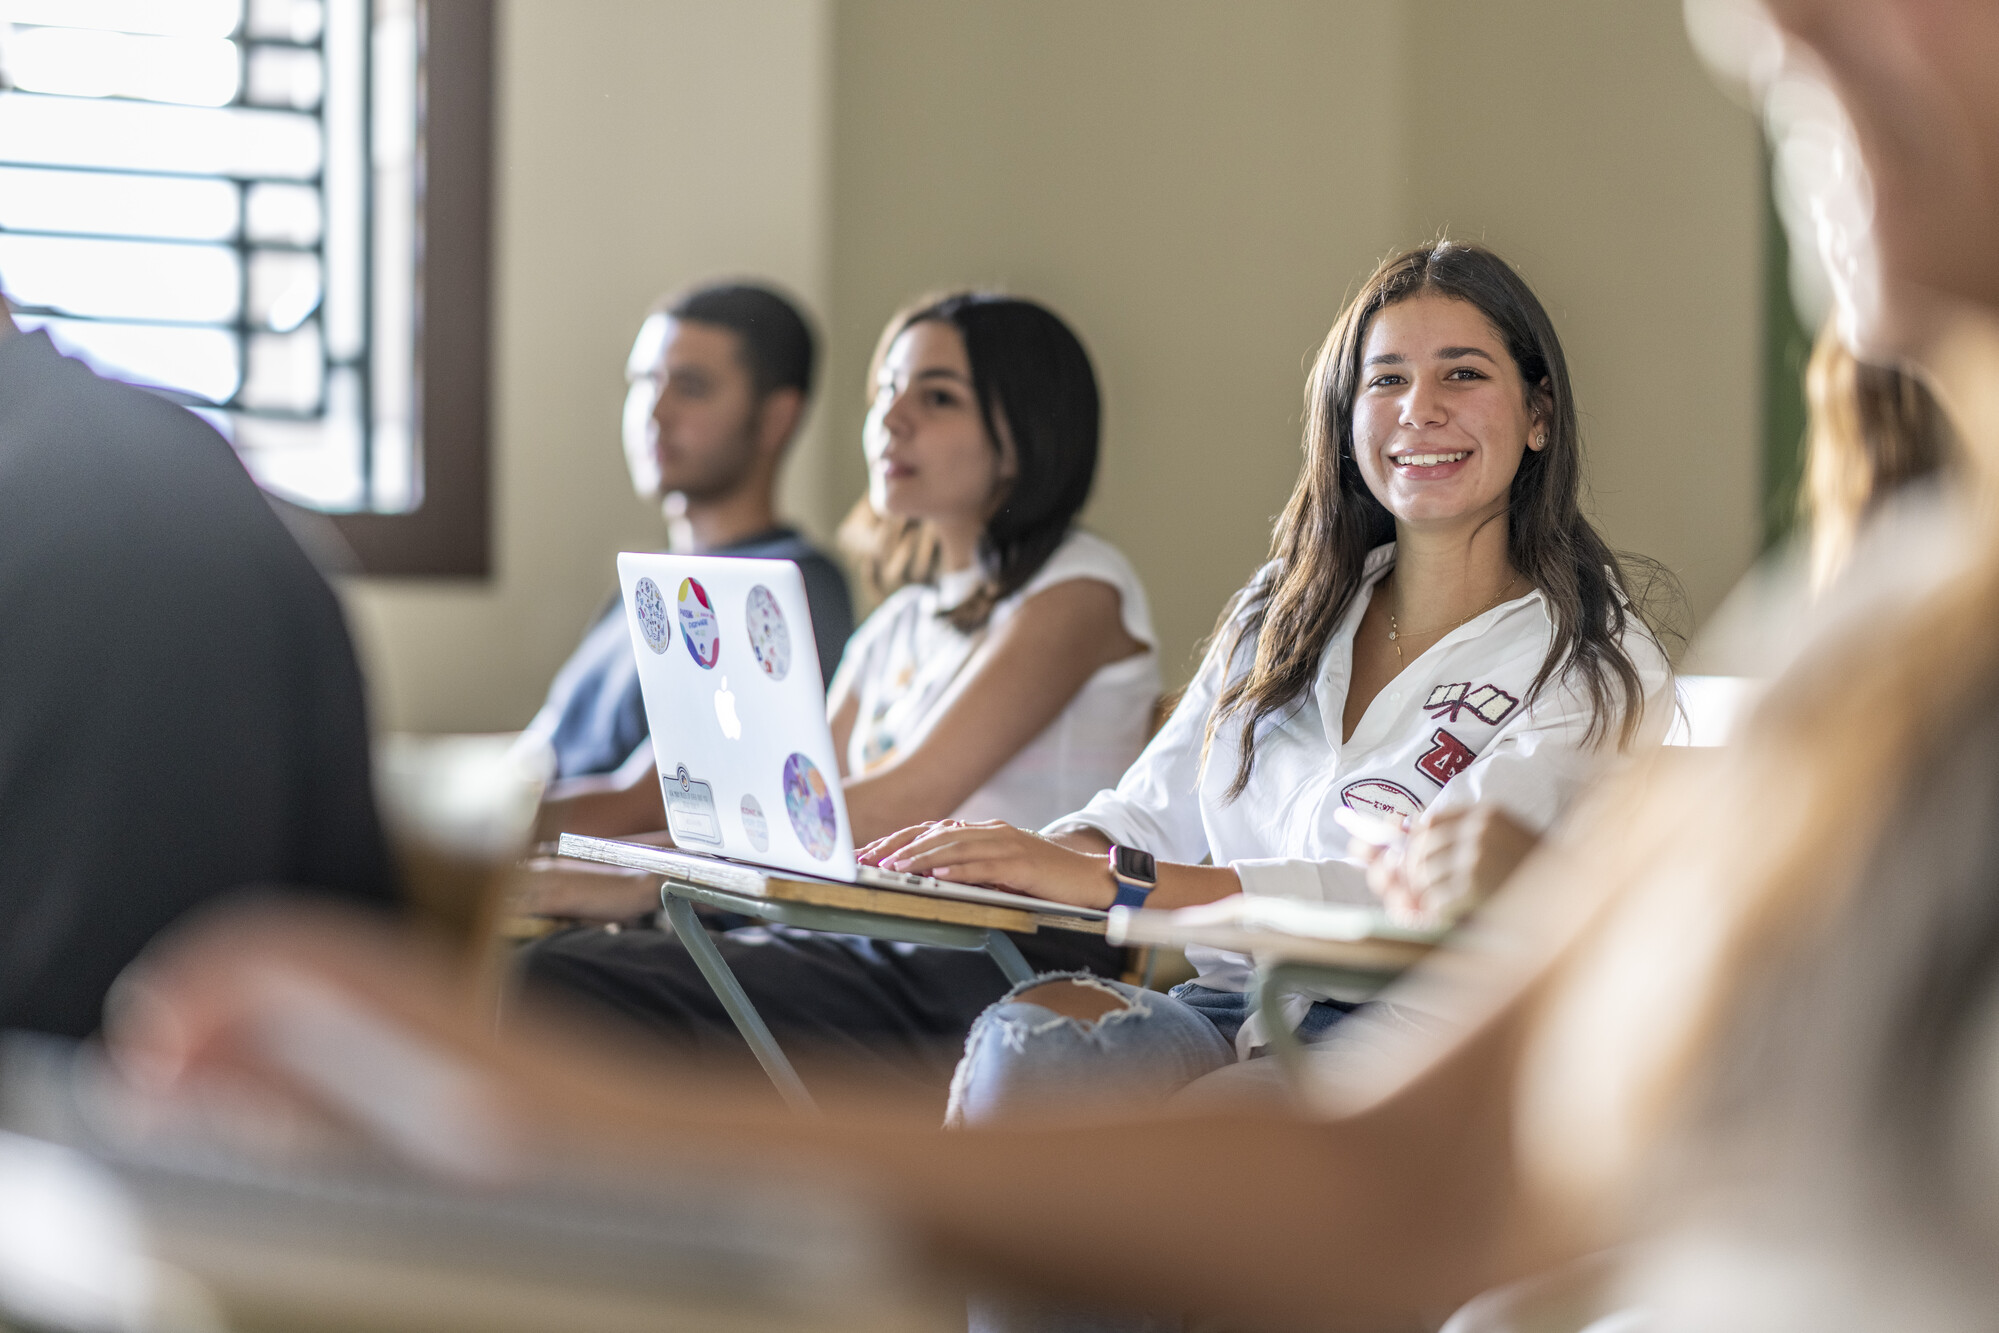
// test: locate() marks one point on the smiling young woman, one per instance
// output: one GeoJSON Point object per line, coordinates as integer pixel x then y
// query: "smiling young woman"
{"type": "Point", "coordinates": [1445, 351]}
{"type": "Point", "coordinates": [1440, 637]}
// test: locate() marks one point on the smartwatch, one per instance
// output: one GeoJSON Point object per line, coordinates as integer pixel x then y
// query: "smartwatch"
{"type": "Point", "coordinates": [1135, 873]}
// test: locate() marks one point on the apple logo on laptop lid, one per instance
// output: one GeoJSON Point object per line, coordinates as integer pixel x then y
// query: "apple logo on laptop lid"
{"type": "Point", "coordinates": [725, 712]}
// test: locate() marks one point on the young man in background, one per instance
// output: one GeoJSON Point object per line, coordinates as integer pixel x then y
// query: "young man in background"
{"type": "Point", "coordinates": [720, 377]}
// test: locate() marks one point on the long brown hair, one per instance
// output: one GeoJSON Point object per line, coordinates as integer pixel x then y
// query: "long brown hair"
{"type": "Point", "coordinates": [1037, 390]}
{"type": "Point", "coordinates": [1332, 520]}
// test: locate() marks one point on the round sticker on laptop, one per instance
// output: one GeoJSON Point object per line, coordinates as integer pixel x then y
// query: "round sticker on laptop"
{"type": "Point", "coordinates": [755, 826]}
{"type": "Point", "coordinates": [654, 623]}
{"type": "Point", "coordinates": [770, 641]}
{"type": "Point", "coordinates": [810, 805]}
{"type": "Point", "coordinates": [698, 624]}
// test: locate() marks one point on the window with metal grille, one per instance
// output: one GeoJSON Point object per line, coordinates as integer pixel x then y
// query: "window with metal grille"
{"type": "Point", "coordinates": [228, 200]}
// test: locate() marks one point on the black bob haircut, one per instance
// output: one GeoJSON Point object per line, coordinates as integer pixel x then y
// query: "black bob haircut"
{"type": "Point", "coordinates": [777, 344]}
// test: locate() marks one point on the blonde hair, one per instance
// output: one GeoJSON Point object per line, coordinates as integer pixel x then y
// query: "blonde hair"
{"type": "Point", "coordinates": [1699, 873]}
{"type": "Point", "coordinates": [1873, 430]}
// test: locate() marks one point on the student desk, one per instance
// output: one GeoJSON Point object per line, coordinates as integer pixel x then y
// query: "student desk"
{"type": "Point", "coordinates": [1350, 954]}
{"type": "Point", "coordinates": [812, 904]}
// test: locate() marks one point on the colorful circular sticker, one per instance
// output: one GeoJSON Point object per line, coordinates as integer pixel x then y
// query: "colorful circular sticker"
{"type": "Point", "coordinates": [754, 823]}
{"type": "Point", "coordinates": [810, 806]}
{"type": "Point", "coordinates": [770, 641]}
{"type": "Point", "coordinates": [653, 620]}
{"type": "Point", "coordinates": [698, 624]}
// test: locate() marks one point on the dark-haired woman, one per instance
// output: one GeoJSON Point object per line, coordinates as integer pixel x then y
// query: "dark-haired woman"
{"type": "Point", "coordinates": [1439, 631]}
{"type": "Point", "coordinates": [1010, 673]}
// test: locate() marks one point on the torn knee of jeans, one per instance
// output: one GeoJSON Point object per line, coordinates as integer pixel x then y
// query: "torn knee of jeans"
{"type": "Point", "coordinates": [1014, 1032]}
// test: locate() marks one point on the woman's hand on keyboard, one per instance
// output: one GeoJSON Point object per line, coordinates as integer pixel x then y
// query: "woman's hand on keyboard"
{"type": "Point", "coordinates": [998, 855]}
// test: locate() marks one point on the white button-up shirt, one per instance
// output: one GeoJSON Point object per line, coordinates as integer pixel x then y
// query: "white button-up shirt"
{"type": "Point", "coordinates": [1451, 731]}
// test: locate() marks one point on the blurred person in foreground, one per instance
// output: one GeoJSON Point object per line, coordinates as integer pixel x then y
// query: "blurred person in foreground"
{"type": "Point", "coordinates": [1874, 432]}
{"type": "Point", "coordinates": [719, 378]}
{"type": "Point", "coordinates": [1741, 1016]}
{"type": "Point", "coordinates": [1882, 487]}
{"type": "Point", "coordinates": [181, 714]}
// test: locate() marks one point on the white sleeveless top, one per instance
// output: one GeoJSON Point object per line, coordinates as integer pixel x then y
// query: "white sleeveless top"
{"type": "Point", "coordinates": [902, 662]}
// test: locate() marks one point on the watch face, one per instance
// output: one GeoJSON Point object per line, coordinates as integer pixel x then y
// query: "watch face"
{"type": "Point", "coordinates": [1134, 864]}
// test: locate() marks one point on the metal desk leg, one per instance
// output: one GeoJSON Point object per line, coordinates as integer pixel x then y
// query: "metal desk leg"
{"type": "Point", "coordinates": [1007, 954]}
{"type": "Point", "coordinates": [1273, 982]}
{"type": "Point", "coordinates": [730, 992]}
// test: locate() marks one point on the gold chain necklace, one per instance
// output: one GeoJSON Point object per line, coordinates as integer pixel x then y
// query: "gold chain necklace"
{"type": "Point", "coordinates": [1395, 630]}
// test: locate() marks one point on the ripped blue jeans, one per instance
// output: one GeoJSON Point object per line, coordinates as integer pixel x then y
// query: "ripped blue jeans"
{"type": "Point", "coordinates": [1023, 1058]}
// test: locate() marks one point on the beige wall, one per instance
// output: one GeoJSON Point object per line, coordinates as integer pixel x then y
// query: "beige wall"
{"type": "Point", "coordinates": [1585, 142]}
{"type": "Point", "coordinates": [1195, 185]}
{"type": "Point", "coordinates": [1162, 173]}
{"type": "Point", "coordinates": [630, 160]}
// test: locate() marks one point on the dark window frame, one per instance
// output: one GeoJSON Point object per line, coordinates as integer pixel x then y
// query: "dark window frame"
{"type": "Point", "coordinates": [449, 533]}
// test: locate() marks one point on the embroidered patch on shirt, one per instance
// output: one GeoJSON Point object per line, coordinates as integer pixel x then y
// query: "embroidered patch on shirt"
{"type": "Point", "coordinates": [1379, 794]}
{"type": "Point", "coordinates": [1488, 703]}
{"type": "Point", "coordinates": [1445, 759]}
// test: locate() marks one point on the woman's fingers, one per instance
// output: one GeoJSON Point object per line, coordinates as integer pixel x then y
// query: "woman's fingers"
{"type": "Point", "coordinates": [994, 854]}
{"type": "Point", "coordinates": [952, 844]}
{"type": "Point", "coordinates": [888, 845]}
{"type": "Point", "coordinates": [1461, 856]}
{"type": "Point", "coordinates": [1384, 873]}
{"type": "Point", "coordinates": [1001, 856]}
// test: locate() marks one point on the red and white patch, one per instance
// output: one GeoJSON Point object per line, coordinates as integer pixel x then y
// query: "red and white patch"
{"type": "Point", "coordinates": [1445, 759]}
{"type": "Point", "coordinates": [1488, 703]}
{"type": "Point", "coordinates": [1382, 797]}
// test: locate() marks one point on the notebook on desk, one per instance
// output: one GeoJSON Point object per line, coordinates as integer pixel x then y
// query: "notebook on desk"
{"type": "Point", "coordinates": [750, 777]}
{"type": "Point", "coordinates": [1336, 934]}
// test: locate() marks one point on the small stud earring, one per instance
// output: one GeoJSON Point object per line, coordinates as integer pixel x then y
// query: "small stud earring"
{"type": "Point", "coordinates": [1541, 440]}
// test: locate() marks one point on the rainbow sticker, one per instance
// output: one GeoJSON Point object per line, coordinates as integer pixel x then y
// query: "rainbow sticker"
{"type": "Point", "coordinates": [654, 623]}
{"type": "Point", "coordinates": [755, 826]}
{"type": "Point", "coordinates": [770, 640]}
{"type": "Point", "coordinates": [698, 625]}
{"type": "Point", "coordinates": [810, 805]}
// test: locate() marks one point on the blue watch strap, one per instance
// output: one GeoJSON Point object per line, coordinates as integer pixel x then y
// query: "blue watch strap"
{"type": "Point", "coordinates": [1134, 885]}
{"type": "Point", "coordinates": [1131, 895]}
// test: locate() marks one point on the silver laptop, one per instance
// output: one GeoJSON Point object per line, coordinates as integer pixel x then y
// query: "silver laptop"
{"type": "Point", "coordinates": [730, 675]}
